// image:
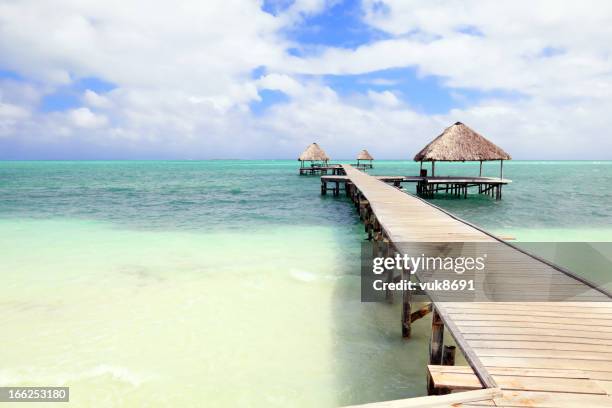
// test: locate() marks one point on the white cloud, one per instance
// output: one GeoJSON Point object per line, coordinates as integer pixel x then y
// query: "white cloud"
{"type": "Point", "coordinates": [385, 98]}
{"type": "Point", "coordinates": [83, 117]}
{"type": "Point", "coordinates": [96, 100]}
{"type": "Point", "coordinates": [183, 78]}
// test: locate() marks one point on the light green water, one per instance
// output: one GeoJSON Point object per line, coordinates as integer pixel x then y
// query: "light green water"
{"type": "Point", "coordinates": [216, 284]}
{"type": "Point", "coordinates": [152, 318]}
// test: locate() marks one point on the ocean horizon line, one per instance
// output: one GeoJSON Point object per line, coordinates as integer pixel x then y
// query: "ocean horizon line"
{"type": "Point", "coordinates": [285, 159]}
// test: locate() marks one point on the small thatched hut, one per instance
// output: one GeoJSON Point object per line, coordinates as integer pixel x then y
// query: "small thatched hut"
{"type": "Point", "coordinates": [461, 143]}
{"type": "Point", "coordinates": [313, 154]}
{"type": "Point", "coordinates": [364, 158]}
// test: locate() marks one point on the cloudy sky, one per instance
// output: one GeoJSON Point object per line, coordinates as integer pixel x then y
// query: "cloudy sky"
{"type": "Point", "coordinates": [193, 79]}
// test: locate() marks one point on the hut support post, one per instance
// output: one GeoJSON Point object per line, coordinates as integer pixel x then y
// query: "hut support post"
{"type": "Point", "coordinates": [406, 307]}
{"type": "Point", "coordinates": [480, 175]}
{"type": "Point", "coordinates": [435, 346]}
{"type": "Point", "coordinates": [433, 168]}
{"type": "Point", "coordinates": [501, 169]}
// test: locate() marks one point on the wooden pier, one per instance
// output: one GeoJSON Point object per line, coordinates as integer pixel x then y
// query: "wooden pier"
{"type": "Point", "coordinates": [425, 186]}
{"type": "Point", "coordinates": [520, 354]}
{"type": "Point", "coordinates": [458, 186]}
{"type": "Point", "coordinates": [323, 169]}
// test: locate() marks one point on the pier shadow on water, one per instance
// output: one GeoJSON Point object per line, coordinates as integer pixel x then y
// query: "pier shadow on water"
{"type": "Point", "coordinates": [373, 362]}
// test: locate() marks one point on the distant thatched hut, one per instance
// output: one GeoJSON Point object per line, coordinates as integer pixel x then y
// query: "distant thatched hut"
{"type": "Point", "coordinates": [313, 154]}
{"type": "Point", "coordinates": [364, 159]}
{"type": "Point", "coordinates": [461, 143]}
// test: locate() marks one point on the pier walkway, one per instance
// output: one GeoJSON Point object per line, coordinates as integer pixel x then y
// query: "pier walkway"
{"type": "Point", "coordinates": [526, 354]}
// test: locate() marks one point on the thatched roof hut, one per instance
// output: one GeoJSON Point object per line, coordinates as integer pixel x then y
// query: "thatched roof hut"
{"type": "Point", "coordinates": [313, 153]}
{"type": "Point", "coordinates": [461, 143]}
{"type": "Point", "coordinates": [364, 155]}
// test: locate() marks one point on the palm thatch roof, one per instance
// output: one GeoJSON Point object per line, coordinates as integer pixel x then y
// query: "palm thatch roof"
{"type": "Point", "coordinates": [461, 143]}
{"type": "Point", "coordinates": [314, 153]}
{"type": "Point", "coordinates": [364, 155]}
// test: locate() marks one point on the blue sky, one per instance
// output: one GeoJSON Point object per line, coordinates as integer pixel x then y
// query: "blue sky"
{"type": "Point", "coordinates": [252, 80]}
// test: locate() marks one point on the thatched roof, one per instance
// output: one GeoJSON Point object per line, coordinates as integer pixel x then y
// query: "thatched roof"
{"type": "Point", "coordinates": [364, 155]}
{"type": "Point", "coordinates": [460, 143]}
{"type": "Point", "coordinates": [313, 153]}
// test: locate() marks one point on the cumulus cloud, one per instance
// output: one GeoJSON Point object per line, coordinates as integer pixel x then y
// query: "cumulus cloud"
{"type": "Point", "coordinates": [96, 100]}
{"type": "Point", "coordinates": [185, 76]}
{"type": "Point", "coordinates": [83, 117]}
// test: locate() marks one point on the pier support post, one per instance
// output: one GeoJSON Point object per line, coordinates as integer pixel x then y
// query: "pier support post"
{"type": "Point", "coordinates": [435, 346]}
{"type": "Point", "coordinates": [337, 189]}
{"type": "Point", "coordinates": [406, 307]}
{"type": "Point", "coordinates": [323, 187]}
{"type": "Point", "coordinates": [437, 338]}
{"type": "Point", "coordinates": [390, 272]}
{"type": "Point", "coordinates": [448, 358]}
{"type": "Point", "coordinates": [448, 355]}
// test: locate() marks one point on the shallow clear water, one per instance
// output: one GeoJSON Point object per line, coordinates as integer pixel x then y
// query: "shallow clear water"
{"type": "Point", "coordinates": [228, 283]}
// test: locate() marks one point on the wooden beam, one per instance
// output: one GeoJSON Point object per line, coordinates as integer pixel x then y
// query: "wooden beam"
{"type": "Point", "coordinates": [422, 312]}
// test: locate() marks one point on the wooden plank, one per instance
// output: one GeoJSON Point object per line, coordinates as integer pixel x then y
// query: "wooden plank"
{"type": "Point", "coordinates": [492, 311]}
{"type": "Point", "coordinates": [539, 345]}
{"type": "Point", "coordinates": [469, 381]}
{"type": "Point", "coordinates": [448, 400]}
{"type": "Point", "coordinates": [544, 353]}
{"type": "Point", "coordinates": [551, 399]}
{"type": "Point", "coordinates": [535, 339]}
{"type": "Point", "coordinates": [606, 385]}
{"type": "Point", "coordinates": [556, 331]}
{"type": "Point", "coordinates": [523, 372]}
{"type": "Point", "coordinates": [582, 328]}
{"type": "Point", "coordinates": [550, 363]}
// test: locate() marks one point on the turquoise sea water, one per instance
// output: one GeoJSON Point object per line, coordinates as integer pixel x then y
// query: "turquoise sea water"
{"type": "Point", "coordinates": [229, 282]}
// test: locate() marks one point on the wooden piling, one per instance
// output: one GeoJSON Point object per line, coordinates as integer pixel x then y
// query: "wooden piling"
{"type": "Point", "coordinates": [406, 307]}
{"type": "Point", "coordinates": [448, 358]}
{"type": "Point", "coordinates": [435, 346]}
{"type": "Point", "coordinates": [448, 355]}
{"type": "Point", "coordinates": [437, 338]}
{"type": "Point", "coordinates": [390, 274]}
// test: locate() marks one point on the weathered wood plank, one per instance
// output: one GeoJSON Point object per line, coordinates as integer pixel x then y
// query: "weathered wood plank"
{"type": "Point", "coordinates": [539, 345]}
{"type": "Point", "coordinates": [536, 339]}
{"type": "Point", "coordinates": [551, 399]}
{"type": "Point", "coordinates": [448, 400]}
{"type": "Point", "coordinates": [552, 363]}
{"type": "Point", "coordinates": [467, 380]}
